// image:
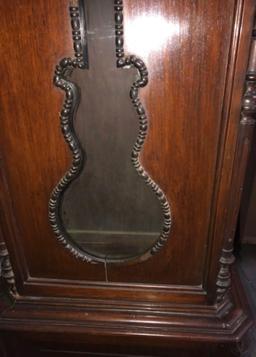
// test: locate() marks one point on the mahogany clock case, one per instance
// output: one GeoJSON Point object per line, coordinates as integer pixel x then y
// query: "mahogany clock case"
{"type": "Point", "coordinates": [178, 77]}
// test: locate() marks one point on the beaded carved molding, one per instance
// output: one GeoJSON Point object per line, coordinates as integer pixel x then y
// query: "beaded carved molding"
{"type": "Point", "coordinates": [72, 99]}
{"type": "Point", "coordinates": [6, 272]}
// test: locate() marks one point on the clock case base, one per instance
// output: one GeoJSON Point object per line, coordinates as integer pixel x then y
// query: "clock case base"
{"type": "Point", "coordinates": [51, 325]}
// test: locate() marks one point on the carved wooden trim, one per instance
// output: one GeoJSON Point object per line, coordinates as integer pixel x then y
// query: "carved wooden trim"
{"type": "Point", "coordinates": [62, 72]}
{"type": "Point", "coordinates": [133, 61]}
{"type": "Point", "coordinates": [113, 317]}
{"type": "Point", "coordinates": [66, 118]}
{"type": "Point", "coordinates": [119, 29]}
{"type": "Point", "coordinates": [224, 275]}
{"type": "Point", "coordinates": [247, 122]}
{"type": "Point", "coordinates": [6, 272]}
{"type": "Point", "coordinates": [72, 99]}
{"type": "Point", "coordinates": [78, 26]}
{"type": "Point", "coordinates": [249, 99]}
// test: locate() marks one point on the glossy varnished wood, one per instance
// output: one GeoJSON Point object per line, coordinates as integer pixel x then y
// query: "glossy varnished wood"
{"type": "Point", "coordinates": [193, 151]}
{"type": "Point", "coordinates": [33, 104]}
{"type": "Point", "coordinates": [184, 96]}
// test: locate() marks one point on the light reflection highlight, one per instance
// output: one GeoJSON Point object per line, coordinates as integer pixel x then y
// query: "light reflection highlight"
{"type": "Point", "coordinates": [148, 33]}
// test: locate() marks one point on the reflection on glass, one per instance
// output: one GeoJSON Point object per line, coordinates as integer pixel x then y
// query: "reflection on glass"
{"type": "Point", "coordinates": [149, 32]}
{"type": "Point", "coordinates": [108, 211]}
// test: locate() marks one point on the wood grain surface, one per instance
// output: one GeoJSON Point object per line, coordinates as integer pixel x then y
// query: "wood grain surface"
{"type": "Point", "coordinates": [196, 53]}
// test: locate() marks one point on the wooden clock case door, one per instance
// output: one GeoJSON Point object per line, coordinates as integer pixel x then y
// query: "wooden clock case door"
{"type": "Point", "coordinates": [201, 109]}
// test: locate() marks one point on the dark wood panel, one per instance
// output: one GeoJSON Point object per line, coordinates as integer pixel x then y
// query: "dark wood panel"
{"type": "Point", "coordinates": [35, 155]}
{"type": "Point", "coordinates": [250, 226]}
{"type": "Point", "coordinates": [196, 150]}
{"type": "Point", "coordinates": [184, 100]}
{"type": "Point", "coordinates": [235, 145]}
{"type": "Point", "coordinates": [22, 345]}
{"type": "Point", "coordinates": [248, 207]}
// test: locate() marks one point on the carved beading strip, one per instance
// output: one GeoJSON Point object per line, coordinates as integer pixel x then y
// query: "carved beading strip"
{"type": "Point", "coordinates": [119, 30]}
{"type": "Point", "coordinates": [79, 33]}
{"type": "Point", "coordinates": [137, 63]}
{"type": "Point", "coordinates": [249, 100]}
{"type": "Point", "coordinates": [224, 276]}
{"type": "Point", "coordinates": [63, 70]}
{"type": "Point", "coordinates": [6, 271]}
{"type": "Point", "coordinates": [248, 119]}
{"type": "Point", "coordinates": [66, 117]}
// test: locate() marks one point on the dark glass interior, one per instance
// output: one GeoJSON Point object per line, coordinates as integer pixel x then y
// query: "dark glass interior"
{"type": "Point", "coordinates": [108, 211]}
